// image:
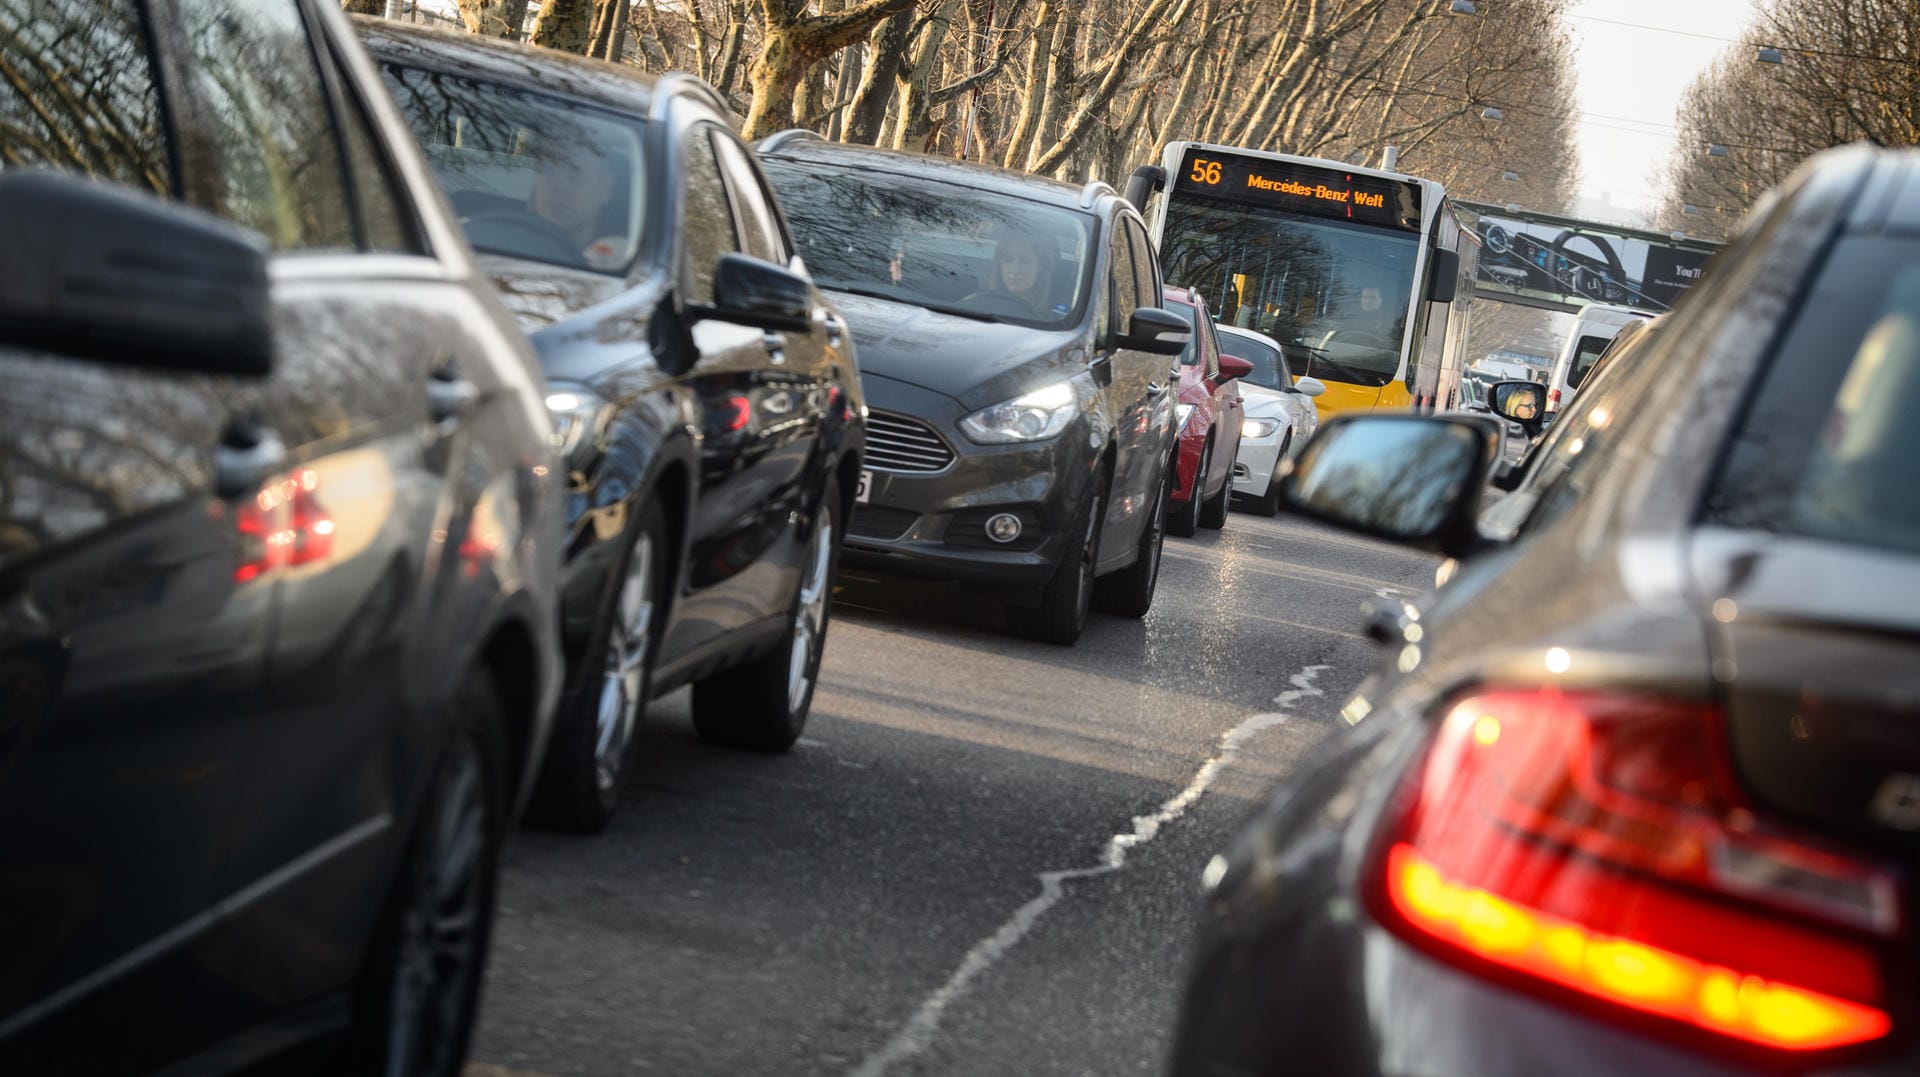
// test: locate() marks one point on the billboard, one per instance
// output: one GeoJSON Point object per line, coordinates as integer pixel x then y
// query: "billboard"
{"type": "Point", "coordinates": [1563, 263]}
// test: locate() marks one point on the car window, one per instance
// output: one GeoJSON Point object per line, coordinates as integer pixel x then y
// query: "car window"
{"type": "Point", "coordinates": [1584, 355]}
{"type": "Point", "coordinates": [1269, 366]}
{"type": "Point", "coordinates": [1190, 354]}
{"type": "Point", "coordinates": [708, 222]}
{"type": "Point", "coordinates": [108, 124]}
{"type": "Point", "coordinates": [1126, 286]}
{"type": "Point", "coordinates": [1146, 268]}
{"type": "Point", "coordinates": [530, 176]}
{"type": "Point", "coordinates": [1211, 353]}
{"type": "Point", "coordinates": [759, 227]}
{"type": "Point", "coordinates": [1829, 445]}
{"type": "Point", "coordinates": [279, 152]}
{"type": "Point", "coordinates": [383, 219]}
{"type": "Point", "coordinates": [987, 255]}
{"type": "Point", "coordinates": [1602, 416]}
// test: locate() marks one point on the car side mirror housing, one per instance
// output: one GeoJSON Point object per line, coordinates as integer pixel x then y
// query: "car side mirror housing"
{"type": "Point", "coordinates": [1157, 332]}
{"type": "Point", "coordinates": [1443, 275]}
{"type": "Point", "coordinates": [1408, 478]}
{"type": "Point", "coordinates": [751, 292]}
{"type": "Point", "coordinates": [1232, 366]}
{"type": "Point", "coordinates": [101, 272]}
{"type": "Point", "coordinates": [1525, 402]}
{"type": "Point", "coordinates": [1309, 386]}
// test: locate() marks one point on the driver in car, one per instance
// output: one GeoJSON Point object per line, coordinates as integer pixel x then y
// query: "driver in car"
{"type": "Point", "coordinates": [1365, 320]}
{"type": "Point", "coordinates": [571, 191]}
{"type": "Point", "coordinates": [1023, 271]}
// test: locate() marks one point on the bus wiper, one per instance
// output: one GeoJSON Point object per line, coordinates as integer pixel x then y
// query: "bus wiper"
{"type": "Point", "coordinates": [1341, 371]}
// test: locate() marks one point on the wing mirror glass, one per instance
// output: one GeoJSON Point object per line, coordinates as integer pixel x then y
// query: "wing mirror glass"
{"type": "Point", "coordinates": [751, 292]}
{"type": "Point", "coordinates": [96, 271]}
{"type": "Point", "coordinates": [1412, 479]}
{"type": "Point", "coordinates": [1524, 402]}
{"type": "Point", "coordinates": [1157, 331]}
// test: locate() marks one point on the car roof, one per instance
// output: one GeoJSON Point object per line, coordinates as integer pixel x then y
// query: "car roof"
{"type": "Point", "coordinates": [807, 146]}
{"type": "Point", "coordinates": [1237, 331]}
{"type": "Point", "coordinates": [488, 59]}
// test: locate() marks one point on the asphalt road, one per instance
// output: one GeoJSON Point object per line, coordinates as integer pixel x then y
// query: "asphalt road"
{"type": "Point", "coordinates": [983, 858]}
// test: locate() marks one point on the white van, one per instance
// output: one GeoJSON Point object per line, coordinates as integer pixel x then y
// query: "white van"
{"type": "Point", "coordinates": [1592, 331]}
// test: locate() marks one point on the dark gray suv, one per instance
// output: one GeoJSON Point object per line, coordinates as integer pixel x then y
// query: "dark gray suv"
{"type": "Point", "coordinates": [279, 534]}
{"type": "Point", "coordinates": [1017, 367]}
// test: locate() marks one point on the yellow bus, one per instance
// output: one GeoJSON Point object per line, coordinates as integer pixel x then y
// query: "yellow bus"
{"type": "Point", "coordinates": [1355, 271]}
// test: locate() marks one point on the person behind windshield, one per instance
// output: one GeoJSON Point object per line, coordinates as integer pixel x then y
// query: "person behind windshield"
{"type": "Point", "coordinates": [1365, 318]}
{"type": "Point", "coordinates": [571, 191]}
{"type": "Point", "coordinates": [1023, 271]}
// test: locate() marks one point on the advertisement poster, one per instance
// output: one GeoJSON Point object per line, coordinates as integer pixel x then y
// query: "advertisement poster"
{"type": "Point", "coordinates": [1563, 262]}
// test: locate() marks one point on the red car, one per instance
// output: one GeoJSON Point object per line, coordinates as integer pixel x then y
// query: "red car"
{"type": "Point", "coordinates": [1208, 419]}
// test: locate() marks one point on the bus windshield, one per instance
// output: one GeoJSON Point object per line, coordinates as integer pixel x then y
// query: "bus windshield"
{"type": "Point", "coordinates": [1333, 293]}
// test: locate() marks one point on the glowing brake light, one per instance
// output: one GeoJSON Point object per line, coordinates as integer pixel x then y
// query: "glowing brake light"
{"type": "Point", "coordinates": [1599, 842]}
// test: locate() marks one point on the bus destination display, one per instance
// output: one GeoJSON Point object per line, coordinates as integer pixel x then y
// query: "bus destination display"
{"type": "Point", "coordinates": [1301, 188]}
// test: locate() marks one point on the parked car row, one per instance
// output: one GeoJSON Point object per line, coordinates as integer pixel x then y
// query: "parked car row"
{"type": "Point", "coordinates": [407, 410]}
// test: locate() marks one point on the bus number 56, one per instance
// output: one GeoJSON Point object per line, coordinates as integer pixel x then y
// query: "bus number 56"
{"type": "Point", "coordinates": [1205, 171]}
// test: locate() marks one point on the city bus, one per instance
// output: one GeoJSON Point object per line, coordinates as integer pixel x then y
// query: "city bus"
{"type": "Point", "coordinates": [1355, 271]}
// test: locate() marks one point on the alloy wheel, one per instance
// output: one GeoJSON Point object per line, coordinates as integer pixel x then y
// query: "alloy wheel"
{"type": "Point", "coordinates": [629, 638]}
{"type": "Point", "coordinates": [810, 614]}
{"type": "Point", "coordinates": [440, 931]}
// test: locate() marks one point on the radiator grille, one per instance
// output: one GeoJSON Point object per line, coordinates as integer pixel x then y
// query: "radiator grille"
{"type": "Point", "coordinates": [902, 443]}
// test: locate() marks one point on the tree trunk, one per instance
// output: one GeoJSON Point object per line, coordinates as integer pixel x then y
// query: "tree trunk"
{"type": "Point", "coordinates": [915, 112]}
{"type": "Point", "coordinates": [795, 42]}
{"type": "Point", "coordinates": [364, 7]}
{"type": "Point", "coordinates": [494, 18]}
{"type": "Point", "coordinates": [888, 48]}
{"type": "Point", "coordinates": [1058, 88]}
{"type": "Point", "coordinates": [566, 25]}
{"type": "Point", "coordinates": [1034, 95]}
{"type": "Point", "coordinates": [729, 63]}
{"type": "Point", "coordinates": [609, 37]}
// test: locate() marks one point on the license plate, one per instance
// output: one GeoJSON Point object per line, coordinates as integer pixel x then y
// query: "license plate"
{"type": "Point", "coordinates": [865, 489]}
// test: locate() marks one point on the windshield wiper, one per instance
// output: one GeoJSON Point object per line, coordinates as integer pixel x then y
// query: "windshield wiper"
{"type": "Point", "coordinates": [1341, 371]}
{"type": "Point", "coordinates": [872, 293]}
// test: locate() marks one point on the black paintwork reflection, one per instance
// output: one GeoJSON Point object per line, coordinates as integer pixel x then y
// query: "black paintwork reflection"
{"type": "Point", "coordinates": [78, 92]}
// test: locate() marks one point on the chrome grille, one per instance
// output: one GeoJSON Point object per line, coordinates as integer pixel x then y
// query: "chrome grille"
{"type": "Point", "coordinates": [901, 443]}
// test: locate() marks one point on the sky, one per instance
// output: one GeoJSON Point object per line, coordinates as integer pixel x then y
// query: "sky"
{"type": "Point", "coordinates": [1630, 77]}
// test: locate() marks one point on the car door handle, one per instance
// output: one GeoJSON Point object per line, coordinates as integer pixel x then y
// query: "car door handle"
{"type": "Point", "coordinates": [836, 329]}
{"type": "Point", "coordinates": [776, 347]}
{"type": "Point", "coordinates": [450, 396]}
{"type": "Point", "coordinates": [1154, 388]}
{"type": "Point", "coordinates": [247, 457]}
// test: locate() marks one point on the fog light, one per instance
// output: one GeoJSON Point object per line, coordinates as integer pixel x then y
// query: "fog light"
{"type": "Point", "coordinates": [1003, 527]}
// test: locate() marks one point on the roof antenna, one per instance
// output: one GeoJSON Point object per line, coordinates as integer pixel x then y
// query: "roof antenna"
{"type": "Point", "coordinates": [1390, 159]}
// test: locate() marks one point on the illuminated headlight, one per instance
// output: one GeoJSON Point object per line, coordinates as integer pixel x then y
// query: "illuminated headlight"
{"type": "Point", "coordinates": [1258, 428]}
{"type": "Point", "coordinates": [1181, 413]}
{"type": "Point", "coordinates": [574, 411]}
{"type": "Point", "coordinates": [1036, 416]}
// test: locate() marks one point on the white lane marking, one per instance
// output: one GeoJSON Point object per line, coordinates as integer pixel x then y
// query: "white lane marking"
{"type": "Point", "coordinates": [917, 1034]}
{"type": "Point", "coordinates": [1387, 592]}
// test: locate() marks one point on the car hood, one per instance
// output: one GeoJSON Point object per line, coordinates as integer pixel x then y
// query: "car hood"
{"type": "Point", "coordinates": [977, 363]}
{"type": "Point", "coordinates": [538, 294]}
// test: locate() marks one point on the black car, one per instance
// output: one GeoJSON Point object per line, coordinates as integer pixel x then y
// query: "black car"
{"type": "Point", "coordinates": [1637, 789]}
{"type": "Point", "coordinates": [703, 394]}
{"type": "Point", "coordinates": [279, 527]}
{"type": "Point", "coordinates": [1015, 358]}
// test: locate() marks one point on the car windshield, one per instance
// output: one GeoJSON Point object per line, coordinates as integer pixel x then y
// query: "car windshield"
{"type": "Point", "coordinates": [530, 176]}
{"type": "Point", "coordinates": [978, 254]}
{"type": "Point", "coordinates": [1335, 294]}
{"type": "Point", "coordinates": [1269, 367]}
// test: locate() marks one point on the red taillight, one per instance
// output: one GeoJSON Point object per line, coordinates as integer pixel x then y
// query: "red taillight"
{"type": "Point", "coordinates": [1599, 842]}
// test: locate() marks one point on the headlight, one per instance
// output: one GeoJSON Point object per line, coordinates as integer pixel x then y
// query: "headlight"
{"type": "Point", "coordinates": [1258, 428]}
{"type": "Point", "coordinates": [574, 412]}
{"type": "Point", "coordinates": [1037, 416]}
{"type": "Point", "coordinates": [1181, 413]}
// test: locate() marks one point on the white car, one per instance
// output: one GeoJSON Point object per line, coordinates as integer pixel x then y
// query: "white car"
{"type": "Point", "coordinates": [1278, 416]}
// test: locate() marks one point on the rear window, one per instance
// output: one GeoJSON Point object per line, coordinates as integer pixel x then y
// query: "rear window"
{"type": "Point", "coordinates": [1584, 356]}
{"type": "Point", "coordinates": [1829, 445]}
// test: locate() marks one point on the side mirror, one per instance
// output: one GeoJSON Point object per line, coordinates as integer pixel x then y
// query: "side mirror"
{"type": "Point", "coordinates": [1524, 402]}
{"type": "Point", "coordinates": [1443, 275]}
{"type": "Point", "coordinates": [95, 271]}
{"type": "Point", "coordinates": [1412, 479]}
{"type": "Point", "coordinates": [1309, 386]}
{"type": "Point", "coordinates": [1157, 332]}
{"type": "Point", "coordinates": [751, 292]}
{"type": "Point", "coordinates": [1232, 366]}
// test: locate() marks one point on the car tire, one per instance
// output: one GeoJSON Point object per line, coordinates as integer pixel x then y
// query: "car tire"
{"type": "Point", "coordinates": [1068, 596]}
{"type": "Point", "coordinates": [762, 706]}
{"type": "Point", "coordinates": [1184, 520]}
{"type": "Point", "coordinates": [1213, 511]}
{"type": "Point", "coordinates": [420, 986]}
{"type": "Point", "coordinates": [594, 728]}
{"type": "Point", "coordinates": [1268, 504]}
{"type": "Point", "coordinates": [1129, 592]}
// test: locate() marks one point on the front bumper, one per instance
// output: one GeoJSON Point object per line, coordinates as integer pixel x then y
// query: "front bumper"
{"type": "Point", "coordinates": [931, 525]}
{"type": "Point", "coordinates": [1254, 465]}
